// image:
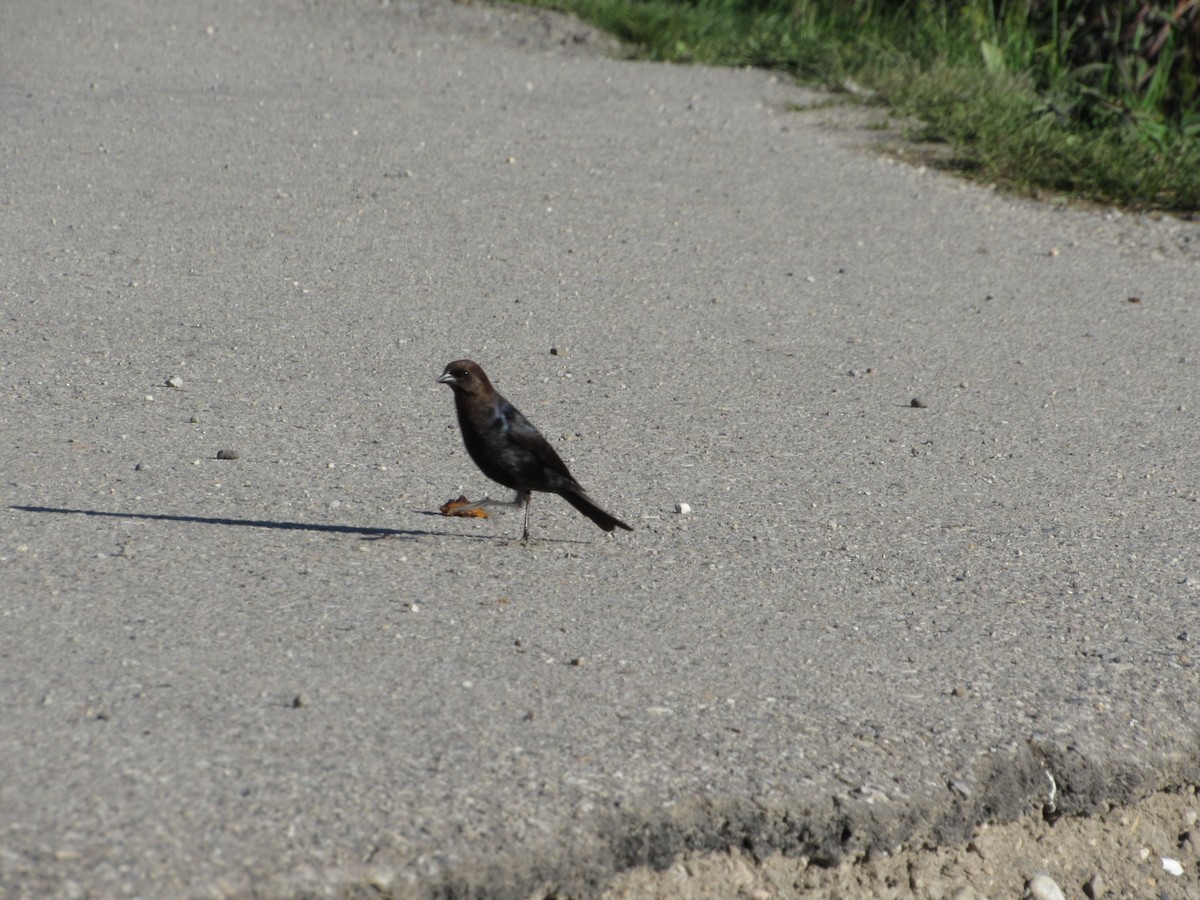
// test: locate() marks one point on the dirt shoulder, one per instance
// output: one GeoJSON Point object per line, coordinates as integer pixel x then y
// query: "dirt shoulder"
{"type": "Point", "coordinates": [1129, 851]}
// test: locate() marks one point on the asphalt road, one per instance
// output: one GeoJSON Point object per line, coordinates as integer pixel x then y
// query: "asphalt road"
{"type": "Point", "coordinates": [284, 673]}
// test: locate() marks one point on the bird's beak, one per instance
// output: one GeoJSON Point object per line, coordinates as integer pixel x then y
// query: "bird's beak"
{"type": "Point", "coordinates": [446, 378]}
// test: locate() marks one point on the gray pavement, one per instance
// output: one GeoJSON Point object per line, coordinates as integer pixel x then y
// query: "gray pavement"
{"type": "Point", "coordinates": [284, 674]}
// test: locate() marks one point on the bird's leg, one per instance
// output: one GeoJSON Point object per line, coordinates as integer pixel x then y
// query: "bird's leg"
{"type": "Point", "coordinates": [521, 499]}
{"type": "Point", "coordinates": [525, 497]}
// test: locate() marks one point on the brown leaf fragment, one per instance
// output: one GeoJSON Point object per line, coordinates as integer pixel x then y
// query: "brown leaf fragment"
{"type": "Point", "coordinates": [455, 508]}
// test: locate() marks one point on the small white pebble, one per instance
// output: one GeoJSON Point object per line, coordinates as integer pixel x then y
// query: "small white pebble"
{"type": "Point", "coordinates": [1043, 887]}
{"type": "Point", "coordinates": [175, 381]}
{"type": "Point", "coordinates": [381, 878]}
{"type": "Point", "coordinates": [1172, 866]}
{"type": "Point", "coordinates": [682, 508]}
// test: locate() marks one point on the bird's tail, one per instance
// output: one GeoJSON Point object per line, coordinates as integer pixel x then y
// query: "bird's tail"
{"type": "Point", "coordinates": [584, 504]}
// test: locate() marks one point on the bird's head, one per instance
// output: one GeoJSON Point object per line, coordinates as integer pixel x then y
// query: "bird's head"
{"type": "Point", "coordinates": [465, 376]}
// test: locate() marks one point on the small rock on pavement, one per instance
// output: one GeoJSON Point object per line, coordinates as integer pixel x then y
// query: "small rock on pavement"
{"type": "Point", "coordinates": [1094, 887]}
{"type": "Point", "coordinates": [227, 454]}
{"type": "Point", "coordinates": [174, 381]}
{"type": "Point", "coordinates": [1043, 887]}
{"type": "Point", "coordinates": [1189, 843]}
{"type": "Point", "coordinates": [682, 508]}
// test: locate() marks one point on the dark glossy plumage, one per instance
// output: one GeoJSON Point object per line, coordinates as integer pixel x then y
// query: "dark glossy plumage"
{"type": "Point", "coordinates": [509, 450]}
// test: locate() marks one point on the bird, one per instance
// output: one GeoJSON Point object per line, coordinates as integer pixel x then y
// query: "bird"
{"type": "Point", "coordinates": [509, 450]}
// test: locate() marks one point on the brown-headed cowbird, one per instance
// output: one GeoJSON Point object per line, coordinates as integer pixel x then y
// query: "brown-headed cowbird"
{"type": "Point", "coordinates": [509, 450]}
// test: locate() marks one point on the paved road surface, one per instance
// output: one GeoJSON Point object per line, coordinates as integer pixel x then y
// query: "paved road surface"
{"type": "Point", "coordinates": [879, 623]}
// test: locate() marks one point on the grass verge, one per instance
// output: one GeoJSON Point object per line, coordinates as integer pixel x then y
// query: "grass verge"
{"type": "Point", "coordinates": [1076, 97]}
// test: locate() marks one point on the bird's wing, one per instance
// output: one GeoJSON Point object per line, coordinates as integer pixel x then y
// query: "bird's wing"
{"type": "Point", "coordinates": [522, 433]}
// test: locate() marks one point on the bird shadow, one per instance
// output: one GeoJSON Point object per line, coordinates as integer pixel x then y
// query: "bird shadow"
{"type": "Point", "coordinates": [511, 540]}
{"type": "Point", "coordinates": [367, 532]}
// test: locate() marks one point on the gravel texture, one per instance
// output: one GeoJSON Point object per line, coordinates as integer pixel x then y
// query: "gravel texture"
{"type": "Point", "coordinates": [241, 653]}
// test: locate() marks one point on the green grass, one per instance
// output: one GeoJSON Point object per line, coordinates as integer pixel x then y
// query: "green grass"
{"type": "Point", "coordinates": [1075, 97]}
